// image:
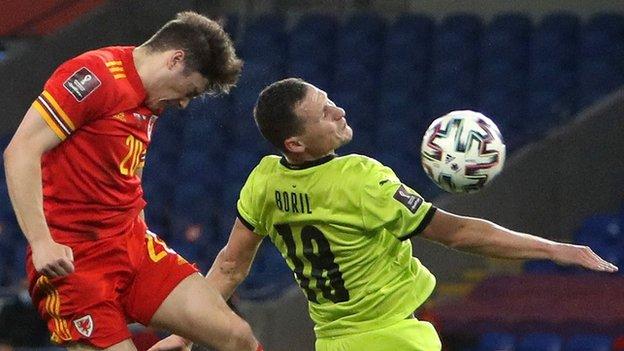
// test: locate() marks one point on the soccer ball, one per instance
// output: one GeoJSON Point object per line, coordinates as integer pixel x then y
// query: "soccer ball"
{"type": "Point", "coordinates": [462, 151]}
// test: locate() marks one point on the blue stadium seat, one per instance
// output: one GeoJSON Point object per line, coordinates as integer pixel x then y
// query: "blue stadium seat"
{"type": "Point", "coordinates": [453, 78]}
{"type": "Point", "coordinates": [540, 342]}
{"type": "Point", "coordinates": [602, 37]}
{"type": "Point", "coordinates": [404, 106]}
{"type": "Point", "coordinates": [468, 24]}
{"type": "Point", "coordinates": [541, 266]}
{"type": "Point", "coordinates": [360, 40]}
{"type": "Point", "coordinates": [347, 74]}
{"type": "Point", "coordinates": [312, 40]}
{"type": "Point", "coordinates": [311, 72]}
{"type": "Point", "coordinates": [255, 77]}
{"type": "Point", "coordinates": [395, 133]}
{"type": "Point", "coordinates": [401, 77]}
{"type": "Point", "coordinates": [588, 342]}
{"type": "Point", "coordinates": [597, 79]}
{"type": "Point", "coordinates": [506, 38]}
{"type": "Point", "coordinates": [555, 40]}
{"type": "Point", "coordinates": [360, 112]}
{"type": "Point", "coordinates": [549, 107]}
{"type": "Point", "coordinates": [553, 76]}
{"type": "Point", "coordinates": [504, 107]}
{"type": "Point", "coordinates": [264, 40]}
{"type": "Point", "coordinates": [408, 41]}
{"type": "Point", "coordinates": [496, 342]}
{"type": "Point", "coordinates": [503, 75]}
{"type": "Point", "coordinates": [191, 201]}
{"type": "Point", "coordinates": [457, 39]}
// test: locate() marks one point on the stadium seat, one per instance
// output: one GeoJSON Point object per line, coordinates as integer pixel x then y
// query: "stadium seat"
{"type": "Point", "coordinates": [312, 40]}
{"type": "Point", "coordinates": [588, 342]}
{"type": "Point", "coordinates": [360, 40]}
{"type": "Point", "coordinates": [453, 78]}
{"type": "Point", "coordinates": [403, 78]}
{"type": "Point", "coordinates": [506, 38]}
{"type": "Point", "coordinates": [457, 39]}
{"type": "Point", "coordinates": [496, 342]}
{"type": "Point", "coordinates": [601, 229]}
{"type": "Point", "coordinates": [312, 72]}
{"type": "Point", "coordinates": [541, 266]}
{"type": "Point", "coordinates": [264, 40]}
{"type": "Point", "coordinates": [540, 342]}
{"type": "Point", "coordinates": [408, 41]}
{"type": "Point", "coordinates": [598, 78]}
{"type": "Point", "coordinates": [346, 74]}
{"type": "Point", "coordinates": [503, 75]}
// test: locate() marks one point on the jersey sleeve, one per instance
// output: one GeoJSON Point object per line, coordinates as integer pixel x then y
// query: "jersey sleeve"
{"type": "Point", "coordinates": [249, 203]}
{"type": "Point", "coordinates": [77, 92]}
{"type": "Point", "coordinates": [391, 205]}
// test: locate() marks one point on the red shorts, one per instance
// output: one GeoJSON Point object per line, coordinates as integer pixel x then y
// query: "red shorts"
{"type": "Point", "coordinates": [117, 280]}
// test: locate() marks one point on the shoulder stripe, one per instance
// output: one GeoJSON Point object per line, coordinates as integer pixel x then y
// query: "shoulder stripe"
{"type": "Point", "coordinates": [116, 69]}
{"type": "Point", "coordinates": [49, 121]}
{"type": "Point", "coordinates": [59, 110]}
{"type": "Point", "coordinates": [119, 76]}
{"type": "Point", "coordinates": [55, 116]}
{"type": "Point", "coordinates": [113, 63]}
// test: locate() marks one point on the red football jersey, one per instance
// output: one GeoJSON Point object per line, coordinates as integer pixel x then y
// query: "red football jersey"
{"type": "Point", "coordinates": [95, 104]}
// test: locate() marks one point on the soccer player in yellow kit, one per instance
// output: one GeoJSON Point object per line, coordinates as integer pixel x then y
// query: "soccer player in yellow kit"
{"type": "Point", "coordinates": [342, 224]}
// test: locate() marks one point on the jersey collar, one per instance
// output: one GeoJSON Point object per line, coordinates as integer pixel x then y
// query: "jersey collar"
{"type": "Point", "coordinates": [307, 164]}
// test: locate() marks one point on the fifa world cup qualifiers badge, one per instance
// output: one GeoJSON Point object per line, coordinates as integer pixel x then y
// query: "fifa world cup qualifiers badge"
{"type": "Point", "coordinates": [82, 83]}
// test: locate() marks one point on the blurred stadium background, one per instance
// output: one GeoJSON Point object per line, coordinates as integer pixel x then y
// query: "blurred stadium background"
{"type": "Point", "coordinates": [548, 73]}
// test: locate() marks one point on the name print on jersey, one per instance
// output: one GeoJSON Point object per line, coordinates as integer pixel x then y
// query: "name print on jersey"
{"type": "Point", "coordinates": [292, 202]}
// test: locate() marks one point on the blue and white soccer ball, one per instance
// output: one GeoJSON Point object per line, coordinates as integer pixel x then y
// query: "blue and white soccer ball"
{"type": "Point", "coordinates": [462, 151]}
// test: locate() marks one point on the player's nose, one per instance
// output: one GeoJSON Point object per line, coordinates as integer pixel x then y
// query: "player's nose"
{"type": "Point", "coordinates": [339, 112]}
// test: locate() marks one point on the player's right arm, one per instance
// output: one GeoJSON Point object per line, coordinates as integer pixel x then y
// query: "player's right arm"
{"type": "Point", "coordinates": [233, 263]}
{"type": "Point", "coordinates": [22, 162]}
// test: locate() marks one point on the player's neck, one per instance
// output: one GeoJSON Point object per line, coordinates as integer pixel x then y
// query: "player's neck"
{"type": "Point", "coordinates": [147, 65]}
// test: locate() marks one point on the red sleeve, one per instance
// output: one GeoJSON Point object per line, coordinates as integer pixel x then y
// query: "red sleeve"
{"type": "Point", "coordinates": [77, 92]}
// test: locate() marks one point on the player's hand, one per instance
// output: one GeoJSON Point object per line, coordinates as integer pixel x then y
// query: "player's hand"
{"type": "Point", "coordinates": [172, 343]}
{"type": "Point", "coordinates": [52, 259]}
{"type": "Point", "coordinates": [568, 254]}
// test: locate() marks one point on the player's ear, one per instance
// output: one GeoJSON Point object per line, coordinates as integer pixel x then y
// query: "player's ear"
{"type": "Point", "coordinates": [176, 58]}
{"type": "Point", "coordinates": [294, 145]}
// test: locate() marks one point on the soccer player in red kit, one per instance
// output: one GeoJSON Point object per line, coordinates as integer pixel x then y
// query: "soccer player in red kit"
{"type": "Point", "coordinates": [73, 170]}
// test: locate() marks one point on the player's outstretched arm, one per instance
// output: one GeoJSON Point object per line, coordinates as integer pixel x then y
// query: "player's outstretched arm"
{"type": "Point", "coordinates": [233, 263]}
{"type": "Point", "coordinates": [22, 162]}
{"type": "Point", "coordinates": [489, 239]}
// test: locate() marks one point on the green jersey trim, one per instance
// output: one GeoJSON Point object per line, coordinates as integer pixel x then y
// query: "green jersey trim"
{"type": "Point", "coordinates": [244, 221]}
{"type": "Point", "coordinates": [425, 222]}
{"type": "Point", "coordinates": [307, 164]}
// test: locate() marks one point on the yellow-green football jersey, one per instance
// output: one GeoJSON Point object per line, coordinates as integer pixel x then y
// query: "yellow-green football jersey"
{"type": "Point", "coordinates": [341, 224]}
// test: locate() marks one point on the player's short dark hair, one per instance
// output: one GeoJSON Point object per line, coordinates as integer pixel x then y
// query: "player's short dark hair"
{"type": "Point", "coordinates": [207, 47]}
{"type": "Point", "coordinates": [275, 110]}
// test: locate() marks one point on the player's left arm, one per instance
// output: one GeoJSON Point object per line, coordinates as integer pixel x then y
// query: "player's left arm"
{"type": "Point", "coordinates": [489, 239]}
{"type": "Point", "coordinates": [233, 263]}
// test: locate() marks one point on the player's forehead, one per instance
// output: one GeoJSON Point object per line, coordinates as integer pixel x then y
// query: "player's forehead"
{"type": "Point", "coordinates": [313, 98]}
